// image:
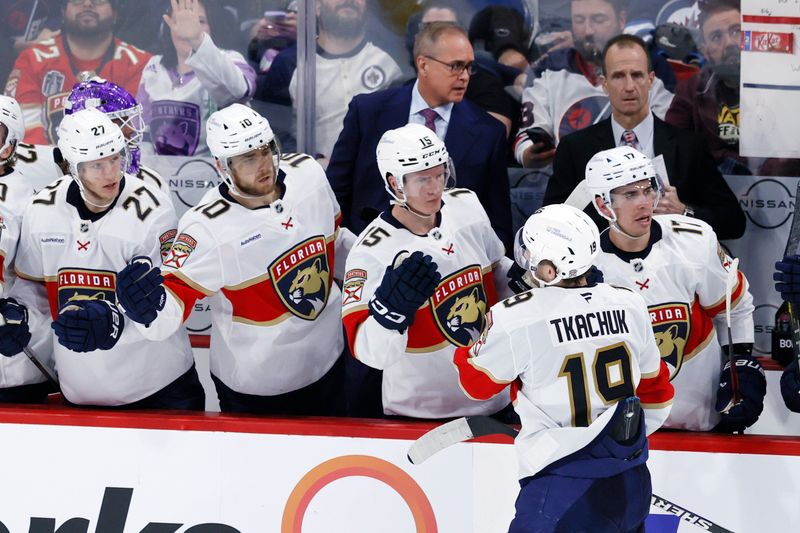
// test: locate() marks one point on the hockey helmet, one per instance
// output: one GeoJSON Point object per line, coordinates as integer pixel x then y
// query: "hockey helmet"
{"type": "Point", "coordinates": [410, 149]}
{"type": "Point", "coordinates": [617, 167]}
{"type": "Point", "coordinates": [11, 118]}
{"type": "Point", "coordinates": [118, 104]}
{"type": "Point", "coordinates": [236, 130]}
{"type": "Point", "coordinates": [560, 234]}
{"type": "Point", "coordinates": [89, 135]}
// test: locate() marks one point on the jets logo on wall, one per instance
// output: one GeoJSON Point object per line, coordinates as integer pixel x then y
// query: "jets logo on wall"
{"type": "Point", "coordinates": [671, 326]}
{"type": "Point", "coordinates": [459, 306]}
{"type": "Point", "coordinates": [583, 114]}
{"type": "Point", "coordinates": [76, 284]}
{"type": "Point", "coordinates": [302, 278]}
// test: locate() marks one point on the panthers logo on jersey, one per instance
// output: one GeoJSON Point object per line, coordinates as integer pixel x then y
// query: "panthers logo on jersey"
{"type": "Point", "coordinates": [671, 326]}
{"type": "Point", "coordinates": [84, 284]}
{"type": "Point", "coordinates": [302, 277]}
{"type": "Point", "coordinates": [459, 306]}
{"type": "Point", "coordinates": [583, 113]}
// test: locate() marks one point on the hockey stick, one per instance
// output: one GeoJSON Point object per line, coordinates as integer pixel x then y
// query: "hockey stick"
{"type": "Point", "coordinates": [453, 432]}
{"type": "Point", "coordinates": [35, 360]}
{"type": "Point", "coordinates": [472, 427]}
{"type": "Point", "coordinates": [730, 283]}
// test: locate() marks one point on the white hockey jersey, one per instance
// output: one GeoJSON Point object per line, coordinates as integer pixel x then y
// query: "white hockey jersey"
{"type": "Point", "coordinates": [15, 193]}
{"type": "Point", "coordinates": [566, 96]}
{"type": "Point", "coordinates": [419, 378]}
{"type": "Point", "coordinates": [36, 163]}
{"type": "Point", "coordinates": [175, 107]}
{"type": "Point", "coordinates": [682, 277]}
{"type": "Point", "coordinates": [568, 354]}
{"type": "Point", "coordinates": [66, 257]}
{"type": "Point", "coordinates": [269, 276]}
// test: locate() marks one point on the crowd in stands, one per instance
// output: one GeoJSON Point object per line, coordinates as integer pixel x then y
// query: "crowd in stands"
{"type": "Point", "coordinates": [502, 84]}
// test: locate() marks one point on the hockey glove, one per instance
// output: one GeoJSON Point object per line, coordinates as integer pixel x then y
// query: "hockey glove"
{"type": "Point", "coordinates": [790, 387]}
{"type": "Point", "coordinates": [140, 292]}
{"type": "Point", "coordinates": [752, 389]}
{"type": "Point", "coordinates": [519, 280]}
{"type": "Point", "coordinates": [405, 286]}
{"type": "Point", "coordinates": [14, 334]}
{"type": "Point", "coordinates": [88, 325]}
{"type": "Point", "coordinates": [787, 278]}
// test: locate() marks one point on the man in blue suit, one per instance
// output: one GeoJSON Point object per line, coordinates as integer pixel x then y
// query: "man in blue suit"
{"type": "Point", "coordinates": [475, 140]}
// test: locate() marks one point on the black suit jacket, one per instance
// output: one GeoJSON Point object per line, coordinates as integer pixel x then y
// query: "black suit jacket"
{"type": "Point", "coordinates": [691, 170]}
{"type": "Point", "coordinates": [475, 140]}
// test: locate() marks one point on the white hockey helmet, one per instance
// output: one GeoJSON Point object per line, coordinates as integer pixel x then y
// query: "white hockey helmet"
{"type": "Point", "coordinates": [89, 135]}
{"type": "Point", "coordinates": [11, 118]}
{"type": "Point", "coordinates": [560, 234]}
{"type": "Point", "coordinates": [616, 167]}
{"type": "Point", "coordinates": [236, 130]}
{"type": "Point", "coordinates": [410, 149]}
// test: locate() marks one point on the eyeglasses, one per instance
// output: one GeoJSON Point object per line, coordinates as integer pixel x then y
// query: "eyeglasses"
{"type": "Point", "coordinates": [457, 67]}
{"type": "Point", "coordinates": [94, 3]}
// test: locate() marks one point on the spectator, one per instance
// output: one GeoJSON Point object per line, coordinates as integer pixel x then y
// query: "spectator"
{"type": "Point", "coordinates": [273, 32]}
{"type": "Point", "coordinates": [696, 187]}
{"type": "Point", "coordinates": [486, 84]}
{"type": "Point", "coordinates": [565, 91]}
{"type": "Point", "coordinates": [45, 73]}
{"type": "Point", "coordinates": [476, 142]}
{"type": "Point", "coordinates": [192, 78]}
{"type": "Point", "coordinates": [708, 102]}
{"type": "Point", "coordinates": [347, 64]}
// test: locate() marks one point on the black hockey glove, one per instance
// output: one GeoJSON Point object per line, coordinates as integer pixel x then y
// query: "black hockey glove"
{"type": "Point", "coordinates": [140, 292]}
{"type": "Point", "coordinates": [405, 286]}
{"type": "Point", "coordinates": [787, 278]}
{"type": "Point", "coordinates": [790, 387]}
{"type": "Point", "coordinates": [752, 389]}
{"type": "Point", "coordinates": [518, 281]}
{"type": "Point", "coordinates": [88, 325]}
{"type": "Point", "coordinates": [14, 333]}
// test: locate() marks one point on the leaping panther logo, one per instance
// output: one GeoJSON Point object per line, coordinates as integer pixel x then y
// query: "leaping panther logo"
{"type": "Point", "coordinates": [310, 285]}
{"type": "Point", "coordinates": [459, 306]}
{"type": "Point", "coordinates": [671, 327]}
{"type": "Point", "coordinates": [468, 315]}
{"type": "Point", "coordinates": [302, 277]}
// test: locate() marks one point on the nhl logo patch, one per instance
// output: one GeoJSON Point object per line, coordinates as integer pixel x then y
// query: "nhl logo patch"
{"type": "Point", "coordinates": [353, 288]}
{"type": "Point", "coordinates": [302, 278]}
{"type": "Point", "coordinates": [84, 284]}
{"type": "Point", "coordinates": [180, 251]}
{"type": "Point", "coordinates": [459, 306]}
{"type": "Point", "coordinates": [671, 326]}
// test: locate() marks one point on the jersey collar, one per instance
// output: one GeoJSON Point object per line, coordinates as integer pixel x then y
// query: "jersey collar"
{"type": "Point", "coordinates": [608, 247]}
{"type": "Point", "coordinates": [389, 218]}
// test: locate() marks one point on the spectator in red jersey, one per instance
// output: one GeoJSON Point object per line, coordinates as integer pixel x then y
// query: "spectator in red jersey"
{"type": "Point", "coordinates": [45, 73]}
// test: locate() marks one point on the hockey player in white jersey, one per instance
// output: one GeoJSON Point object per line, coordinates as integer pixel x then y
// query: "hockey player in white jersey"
{"type": "Point", "coordinates": [77, 233]}
{"type": "Point", "coordinates": [420, 278]}
{"type": "Point", "coordinates": [262, 247]}
{"type": "Point", "coordinates": [20, 380]}
{"type": "Point", "coordinates": [122, 108]}
{"type": "Point", "coordinates": [676, 264]}
{"type": "Point", "coordinates": [582, 365]}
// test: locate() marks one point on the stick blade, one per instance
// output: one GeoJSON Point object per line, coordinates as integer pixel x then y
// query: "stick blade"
{"type": "Point", "coordinates": [453, 432]}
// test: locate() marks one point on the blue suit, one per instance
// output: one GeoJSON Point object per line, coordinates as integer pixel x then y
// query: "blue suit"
{"type": "Point", "coordinates": [475, 140]}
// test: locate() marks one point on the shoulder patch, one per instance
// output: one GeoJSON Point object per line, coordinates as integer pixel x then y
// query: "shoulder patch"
{"type": "Point", "coordinates": [165, 240]}
{"type": "Point", "coordinates": [183, 246]}
{"type": "Point", "coordinates": [353, 287]}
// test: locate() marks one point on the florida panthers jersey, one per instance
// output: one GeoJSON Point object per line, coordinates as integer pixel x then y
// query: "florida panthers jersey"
{"type": "Point", "coordinates": [269, 276]}
{"type": "Point", "coordinates": [36, 163]}
{"type": "Point", "coordinates": [569, 354]}
{"type": "Point", "coordinates": [45, 73]}
{"type": "Point", "coordinates": [566, 95]}
{"type": "Point", "coordinates": [76, 257]}
{"type": "Point", "coordinates": [15, 193]}
{"type": "Point", "coordinates": [419, 378]}
{"type": "Point", "coordinates": [682, 277]}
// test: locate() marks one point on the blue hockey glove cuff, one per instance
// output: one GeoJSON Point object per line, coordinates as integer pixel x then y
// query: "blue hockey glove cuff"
{"type": "Point", "coordinates": [140, 292]}
{"type": "Point", "coordinates": [752, 389]}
